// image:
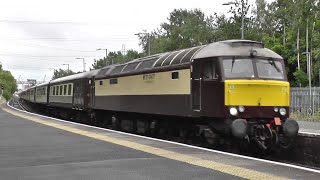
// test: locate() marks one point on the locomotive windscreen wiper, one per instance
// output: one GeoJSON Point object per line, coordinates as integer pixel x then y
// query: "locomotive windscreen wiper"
{"type": "Point", "coordinates": [274, 65]}
{"type": "Point", "coordinates": [232, 63]}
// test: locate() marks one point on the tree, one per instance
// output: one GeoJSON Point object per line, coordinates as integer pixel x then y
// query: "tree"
{"type": "Point", "coordinates": [116, 58]}
{"type": "Point", "coordinates": [8, 82]}
{"type": "Point", "coordinates": [61, 73]}
{"type": "Point", "coordinates": [186, 28]}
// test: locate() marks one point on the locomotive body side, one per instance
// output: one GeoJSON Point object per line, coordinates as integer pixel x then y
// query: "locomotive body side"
{"type": "Point", "coordinates": [162, 93]}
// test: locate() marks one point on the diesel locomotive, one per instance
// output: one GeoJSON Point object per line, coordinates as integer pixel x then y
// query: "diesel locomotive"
{"type": "Point", "coordinates": [232, 88]}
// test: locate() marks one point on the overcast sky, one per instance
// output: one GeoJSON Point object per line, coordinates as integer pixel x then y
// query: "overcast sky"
{"type": "Point", "coordinates": [37, 36]}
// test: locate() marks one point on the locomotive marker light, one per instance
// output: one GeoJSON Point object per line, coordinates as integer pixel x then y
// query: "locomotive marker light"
{"type": "Point", "coordinates": [241, 109]}
{"type": "Point", "coordinates": [276, 109]}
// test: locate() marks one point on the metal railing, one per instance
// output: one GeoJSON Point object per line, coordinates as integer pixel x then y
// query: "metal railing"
{"type": "Point", "coordinates": [303, 105]}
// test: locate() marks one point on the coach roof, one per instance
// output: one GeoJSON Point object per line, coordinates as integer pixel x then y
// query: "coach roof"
{"type": "Point", "coordinates": [88, 74]}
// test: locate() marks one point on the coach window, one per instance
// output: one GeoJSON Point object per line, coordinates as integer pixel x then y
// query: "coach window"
{"type": "Point", "coordinates": [54, 91]}
{"type": "Point", "coordinates": [61, 90]}
{"type": "Point", "coordinates": [209, 70]}
{"type": "Point", "coordinates": [69, 89]}
{"type": "Point", "coordinates": [175, 75]}
{"type": "Point", "coordinates": [101, 83]}
{"type": "Point", "coordinates": [57, 90]}
{"type": "Point", "coordinates": [65, 89]}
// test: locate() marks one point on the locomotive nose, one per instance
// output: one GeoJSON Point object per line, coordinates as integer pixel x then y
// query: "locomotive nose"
{"type": "Point", "coordinates": [290, 128]}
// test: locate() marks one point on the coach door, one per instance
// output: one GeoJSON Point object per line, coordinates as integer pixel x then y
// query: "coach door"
{"type": "Point", "coordinates": [196, 82]}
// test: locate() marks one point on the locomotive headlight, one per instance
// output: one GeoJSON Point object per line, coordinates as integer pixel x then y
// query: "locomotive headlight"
{"type": "Point", "coordinates": [282, 111]}
{"type": "Point", "coordinates": [241, 109]}
{"type": "Point", "coordinates": [276, 109]}
{"type": "Point", "coordinates": [233, 111]}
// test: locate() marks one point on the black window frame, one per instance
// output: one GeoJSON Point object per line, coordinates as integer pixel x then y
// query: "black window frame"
{"type": "Point", "coordinates": [113, 81]}
{"type": "Point", "coordinates": [175, 75]}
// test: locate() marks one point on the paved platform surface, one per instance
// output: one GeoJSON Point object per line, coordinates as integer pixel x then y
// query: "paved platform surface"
{"type": "Point", "coordinates": [33, 147]}
{"type": "Point", "coordinates": [309, 126]}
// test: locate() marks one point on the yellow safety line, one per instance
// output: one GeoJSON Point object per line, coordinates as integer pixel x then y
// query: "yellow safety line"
{"type": "Point", "coordinates": [224, 168]}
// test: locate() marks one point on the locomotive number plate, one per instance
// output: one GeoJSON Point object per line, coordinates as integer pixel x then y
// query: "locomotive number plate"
{"type": "Point", "coordinates": [148, 77]}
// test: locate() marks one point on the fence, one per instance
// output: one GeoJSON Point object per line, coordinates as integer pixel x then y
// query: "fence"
{"type": "Point", "coordinates": [303, 105]}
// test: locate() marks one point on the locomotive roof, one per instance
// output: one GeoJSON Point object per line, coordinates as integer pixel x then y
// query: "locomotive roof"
{"type": "Point", "coordinates": [82, 75]}
{"type": "Point", "coordinates": [235, 48]}
{"type": "Point", "coordinates": [185, 56]}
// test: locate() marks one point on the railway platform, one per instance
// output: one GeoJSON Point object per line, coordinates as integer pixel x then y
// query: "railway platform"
{"type": "Point", "coordinates": [38, 147]}
{"type": "Point", "coordinates": [309, 127]}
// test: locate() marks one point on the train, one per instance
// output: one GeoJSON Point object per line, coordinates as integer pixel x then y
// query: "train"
{"type": "Point", "coordinates": [232, 88]}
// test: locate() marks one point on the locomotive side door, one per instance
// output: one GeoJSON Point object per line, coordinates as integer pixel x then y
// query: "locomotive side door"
{"type": "Point", "coordinates": [92, 91]}
{"type": "Point", "coordinates": [205, 87]}
{"type": "Point", "coordinates": [211, 89]}
{"type": "Point", "coordinates": [196, 86]}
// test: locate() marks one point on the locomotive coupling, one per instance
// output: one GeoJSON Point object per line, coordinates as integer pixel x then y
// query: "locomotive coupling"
{"type": "Point", "coordinates": [239, 128]}
{"type": "Point", "coordinates": [290, 128]}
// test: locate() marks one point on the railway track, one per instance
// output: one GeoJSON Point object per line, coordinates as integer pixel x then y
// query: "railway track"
{"type": "Point", "coordinates": [304, 152]}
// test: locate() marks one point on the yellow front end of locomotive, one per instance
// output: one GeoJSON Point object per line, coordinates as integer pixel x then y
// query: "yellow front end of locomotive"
{"type": "Point", "coordinates": [256, 93]}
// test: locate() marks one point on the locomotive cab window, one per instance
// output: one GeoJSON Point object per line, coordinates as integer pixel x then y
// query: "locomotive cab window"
{"type": "Point", "coordinates": [269, 69]}
{"type": "Point", "coordinates": [238, 68]}
{"type": "Point", "coordinates": [175, 75]}
{"type": "Point", "coordinates": [209, 70]}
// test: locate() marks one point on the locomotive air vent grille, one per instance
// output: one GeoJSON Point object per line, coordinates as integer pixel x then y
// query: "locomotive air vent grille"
{"type": "Point", "coordinates": [178, 58]}
{"type": "Point", "coordinates": [146, 64]}
{"type": "Point", "coordinates": [160, 60]}
{"type": "Point", "coordinates": [169, 59]}
{"type": "Point", "coordinates": [187, 58]}
{"type": "Point", "coordinates": [130, 67]}
{"type": "Point", "coordinates": [248, 43]}
{"type": "Point", "coordinates": [117, 69]}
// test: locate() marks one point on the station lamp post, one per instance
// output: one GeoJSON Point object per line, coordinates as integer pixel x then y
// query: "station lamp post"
{"type": "Point", "coordinates": [148, 35]}
{"type": "Point", "coordinates": [106, 55]}
{"type": "Point", "coordinates": [84, 64]}
{"type": "Point", "coordinates": [68, 67]}
{"type": "Point", "coordinates": [242, 15]}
